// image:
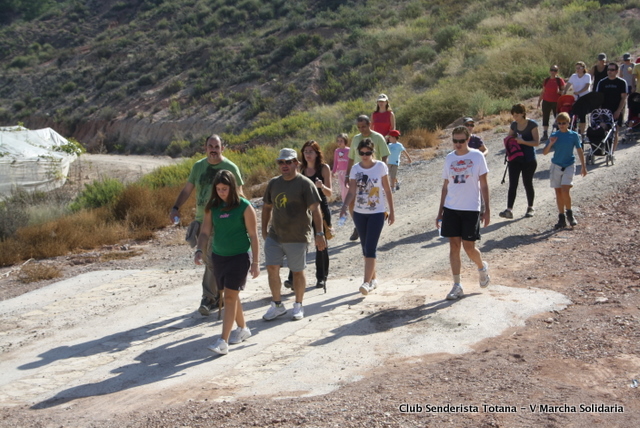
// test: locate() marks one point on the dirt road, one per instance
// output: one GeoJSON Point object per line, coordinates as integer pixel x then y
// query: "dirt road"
{"type": "Point", "coordinates": [120, 343]}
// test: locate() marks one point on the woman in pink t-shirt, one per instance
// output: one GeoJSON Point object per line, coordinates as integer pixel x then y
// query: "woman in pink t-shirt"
{"type": "Point", "coordinates": [383, 120]}
{"type": "Point", "coordinates": [341, 163]}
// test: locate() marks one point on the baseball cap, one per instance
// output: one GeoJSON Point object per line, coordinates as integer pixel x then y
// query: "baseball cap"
{"type": "Point", "coordinates": [638, 60]}
{"type": "Point", "coordinates": [468, 120]}
{"type": "Point", "coordinates": [286, 154]}
{"type": "Point", "coordinates": [383, 97]}
{"type": "Point", "coordinates": [394, 133]}
{"type": "Point", "coordinates": [626, 56]}
{"type": "Point", "coordinates": [602, 56]}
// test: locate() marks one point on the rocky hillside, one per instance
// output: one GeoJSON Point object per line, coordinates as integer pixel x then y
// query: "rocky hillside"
{"type": "Point", "coordinates": [132, 76]}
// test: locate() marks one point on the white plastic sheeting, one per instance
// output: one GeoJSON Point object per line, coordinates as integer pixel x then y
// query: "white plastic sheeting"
{"type": "Point", "coordinates": [32, 160]}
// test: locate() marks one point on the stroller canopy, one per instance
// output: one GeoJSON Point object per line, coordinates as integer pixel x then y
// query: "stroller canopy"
{"type": "Point", "coordinates": [601, 118]}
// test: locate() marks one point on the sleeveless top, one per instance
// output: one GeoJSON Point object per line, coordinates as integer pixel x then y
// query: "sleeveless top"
{"type": "Point", "coordinates": [324, 204]}
{"type": "Point", "coordinates": [381, 122]}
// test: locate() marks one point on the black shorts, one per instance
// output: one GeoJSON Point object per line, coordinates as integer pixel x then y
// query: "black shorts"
{"type": "Point", "coordinates": [463, 224]}
{"type": "Point", "coordinates": [231, 271]}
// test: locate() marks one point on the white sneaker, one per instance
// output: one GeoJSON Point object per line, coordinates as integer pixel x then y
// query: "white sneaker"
{"type": "Point", "coordinates": [298, 311]}
{"type": "Point", "coordinates": [239, 335]}
{"type": "Point", "coordinates": [455, 293]}
{"type": "Point", "coordinates": [484, 275]}
{"type": "Point", "coordinates": [373, 284]}
{"type": "Point", "coordinates": [274, 311]}
{"type": "Point", "coordinates": [220, 347]}
{"type": "Point", "coordinates": [364, 288]}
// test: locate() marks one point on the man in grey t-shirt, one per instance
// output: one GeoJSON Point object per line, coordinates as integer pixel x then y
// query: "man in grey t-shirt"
{"type": "Point", "coordinates": [291, 202]}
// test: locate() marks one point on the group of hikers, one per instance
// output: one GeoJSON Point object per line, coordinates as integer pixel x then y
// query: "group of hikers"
{"type": "Point", "coordinates": [296, 211]}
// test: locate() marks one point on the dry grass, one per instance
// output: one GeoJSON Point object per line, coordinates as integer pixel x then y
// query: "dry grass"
{"type": "Point", "coordinates": [119, 255]}
{"type": "Point", "coordinates": [481, 127]}
{"type": "Point", "coordinates": [421, 138]}
{"type": "Point", "coordinates": [38, 272]}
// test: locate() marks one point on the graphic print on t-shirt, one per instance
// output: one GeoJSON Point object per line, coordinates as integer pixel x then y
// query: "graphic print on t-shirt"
{"type": "Point", "coordinates": [368, 193]}
{"type": "Point", "coordinates": [460, 170]}
{"type": "Point", "coordinates": [281, 200]}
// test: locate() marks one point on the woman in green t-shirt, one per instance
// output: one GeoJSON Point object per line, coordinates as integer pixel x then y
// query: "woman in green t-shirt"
{"type": "Point", "coordinates": [236, 233]}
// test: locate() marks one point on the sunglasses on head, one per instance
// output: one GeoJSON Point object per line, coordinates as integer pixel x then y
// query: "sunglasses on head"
{"type": "Point", "coordinates": [365, 153]}
{"type": "Point", "coordinates": [456, 141]}
{"type": "Point", "coordinates": [288, 162]}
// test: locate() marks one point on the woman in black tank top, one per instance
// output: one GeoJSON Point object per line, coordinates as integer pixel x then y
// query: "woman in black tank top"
{"type": "Point", "coordinates": [314, 168]}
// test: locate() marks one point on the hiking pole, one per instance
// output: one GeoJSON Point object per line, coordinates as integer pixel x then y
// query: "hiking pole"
{"type": "Point", "coordinates": [505, 173]}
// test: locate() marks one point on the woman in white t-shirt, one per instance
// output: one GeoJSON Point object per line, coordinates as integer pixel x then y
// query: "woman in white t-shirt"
{"type": "Point", "coordinates": [580, 81]}
{"type": "Point", "coordinates": [369, 186]}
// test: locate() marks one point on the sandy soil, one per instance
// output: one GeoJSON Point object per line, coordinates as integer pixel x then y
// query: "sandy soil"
{"type": "Point", "coordinates": [585, 354]}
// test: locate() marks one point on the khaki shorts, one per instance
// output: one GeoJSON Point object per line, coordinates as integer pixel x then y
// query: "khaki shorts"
{"type": "Point", "coordinates": [559, 176]}
{"type": "Point", "coordinates": [295, 252]}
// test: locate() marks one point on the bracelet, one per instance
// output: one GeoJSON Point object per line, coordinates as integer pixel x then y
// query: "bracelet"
{"type": "Point", "coordinates": [175, 207]}
{"type": "Point", "coordinates": [198, 251]}
{"type": "Point", "coordinates": [255, 263]}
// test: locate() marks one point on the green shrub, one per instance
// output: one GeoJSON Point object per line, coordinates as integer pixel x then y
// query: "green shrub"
{"type": "Point", "coordinates": [171, 175]}
{"type": "Point", "coordinates": [23, 61]}
{"type": "Point", "coordinates": [173, 87]}
{"type": "Point", "coordinates": [12, 217]}
{"type": "Point", "coordinates": [98, 194]}
{"type": "Point", "coordinates": [176, 147]}
{"type": "Point", "coordinates": [447, 36]}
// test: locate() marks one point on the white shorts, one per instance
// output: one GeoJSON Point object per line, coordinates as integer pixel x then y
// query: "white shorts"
{"type": "Point", "coordinates": [559, 176]}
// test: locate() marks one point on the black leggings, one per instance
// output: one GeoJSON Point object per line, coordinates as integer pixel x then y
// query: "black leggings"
{"type": "Point", "coordinates": [548, 108]}
{"type": "Point", "coordinates": [527, 169]}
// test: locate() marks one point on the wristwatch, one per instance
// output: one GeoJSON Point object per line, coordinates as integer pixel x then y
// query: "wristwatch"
{"type": "Point", "coordinates": [319, 233]}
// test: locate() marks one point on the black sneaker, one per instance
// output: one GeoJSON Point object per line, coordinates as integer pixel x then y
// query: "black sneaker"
{"type": "Point", "coordinates": [572, 221]}
{"type": "Point", "coordinates": [288, 284]}
{"type": "Point", "coordinates": [545, 137]}
{"type": "Point", "coordinates": [562, 223]}
{"type": "Point", "coordinates": [322, 284]}
{"type": "Point", "coordinates": [206, 306]}
{"type": "Point", "coordinates": [354, 236]}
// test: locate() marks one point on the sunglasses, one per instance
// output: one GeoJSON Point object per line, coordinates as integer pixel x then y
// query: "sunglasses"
{"type": "Point", "coordinates": [365, 153]}
{"type": "Point", "coordinates": [563, 123]}
{"type": "Point", "coordinates": [553, 69]}
{"type": "Point", "coordinates": [456, 141]}
{"type": "Point", "coordinates": [469, 125]}
{"type": "Point", "coordinates": [611, 69]}
{"type": "Point", "coordinates": [288, 162]}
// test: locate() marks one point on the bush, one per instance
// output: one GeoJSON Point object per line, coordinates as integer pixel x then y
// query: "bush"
{"type": "Point", "coordinates": [98, 194]}
{"type": "Point", "coordinates": [69, 87]}
{"type": "Point", "coordinates": [143, 210]}
{"type": "Point", "coordinates": [173, 87]}
{"type": "Point", "coordinates": [38, 272]}
{"type": "Point", "coordinates": [447, 36]}
{"type": "Point", "coordinates": [176, 147]}
{"type": "Point", "coordinates": [12, 217]}
{"type": "Point", "coordinates": [171, 175]}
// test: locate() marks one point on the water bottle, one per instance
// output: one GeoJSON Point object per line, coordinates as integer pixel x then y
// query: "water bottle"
{"type": "Point", "coordinates": [342, 220]}
{"type": "Point", "coordinates": [176, 220]}
{"type": "Point", "coordinates": [440, 228]}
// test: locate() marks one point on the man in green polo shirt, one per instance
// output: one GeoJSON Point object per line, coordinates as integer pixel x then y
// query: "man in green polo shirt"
{"type": "Point", "coordinates": [201, 179]}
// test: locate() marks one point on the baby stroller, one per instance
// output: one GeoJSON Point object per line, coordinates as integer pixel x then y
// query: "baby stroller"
{"type": "Point", "coordinates": [601, 133]}
{"type": "Point", "coordinates": [565, 105]}
{"type": "Point", "coordinates": [633, 124]}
